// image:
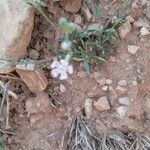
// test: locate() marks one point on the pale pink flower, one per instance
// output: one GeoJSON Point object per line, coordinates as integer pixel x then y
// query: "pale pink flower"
{"type": "Point", "coordinates": [61, 68]}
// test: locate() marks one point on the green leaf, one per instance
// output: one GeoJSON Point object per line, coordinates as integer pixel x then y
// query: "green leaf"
{"type": "Point", "coordinates": [87, 66]}
{"type": "Point", "coordinates": [3, 64]}
{"type": "Point", "coordinates": [96, 10]}
{"type": "Point", "coordinates": [99, 58]}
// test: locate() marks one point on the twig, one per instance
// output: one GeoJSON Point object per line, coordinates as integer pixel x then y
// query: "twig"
{"type": "Point", "coordinates": [8, 91]}
{"type": "Point", "coordinates": [5, 88]}
{"type": "Point", "coordinates": [7, 113]}
{"type": "Point", "coordinates": [7, 132]}
{"type": "Point", "coordinates": [9, 77]}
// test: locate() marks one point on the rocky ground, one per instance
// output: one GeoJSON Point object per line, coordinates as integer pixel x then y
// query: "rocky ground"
{"type": "Point", "coordinates": [115, 95]}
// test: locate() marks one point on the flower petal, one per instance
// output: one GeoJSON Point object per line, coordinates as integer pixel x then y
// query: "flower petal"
{"type": "Point", "coordinates": [55, 73]}
{"type": "Point", "coordinates": [64, 62]}
{"type": "Point", "coordinates": [70, 69]}
{"type": "Point", "coordinates": [55, 63]}
{"type": "Point", "coordinates": [63, 76]}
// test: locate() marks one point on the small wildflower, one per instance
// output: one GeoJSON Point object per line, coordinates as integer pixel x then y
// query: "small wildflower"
{"type": "Point", "coordinates": [61, 68]}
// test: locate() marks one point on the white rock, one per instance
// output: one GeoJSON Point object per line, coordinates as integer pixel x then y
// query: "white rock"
{"type": "Point", "coordinates": [142, 22]}
{"type": "Point", "coordinates": [132, 49]}
{"type": "Point", "coordinates": [122, 83]}
{"type": "Point", "coordinates": [144, 31]}
{"type": "Point", "coordinates": [86, 12]}
{"type": "Point", "coordinates": [124, 30]}
{"type": "Point", "coordinates": [122, 111]}
{"type": "Point", "coordinates": [104, 88]}
{"type": "Point", "coordinates": [77, 19]}
{"type": "Point", "coordinates": [124, 101]}
{"type": "Point", "coordinates": [15, 29]}
{"type": "Point", "coordinates": [88, 107]}
{"type": "Point", "coordinates": [99, 79]}
{"type": "Point", "coordinates": [109, 81]}
{"type": "Point", "coordinates": [62, 88]}
{"type": "Point", "coordinates": [121, 89]}
{"type": "Point", "coordinates": [130, 19]}
{"type": "Point", "coordinates": [134, 83]}
{"type": "Point", "coordinates": [102, 104]}
{"type": "Point", "coordinates": [148, 12]}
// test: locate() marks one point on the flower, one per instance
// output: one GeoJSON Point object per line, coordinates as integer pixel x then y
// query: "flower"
{"type": "Point", "coordinates": [61, 68]}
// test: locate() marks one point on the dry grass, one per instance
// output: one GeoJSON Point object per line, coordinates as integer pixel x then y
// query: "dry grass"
{"type": "Point", "coordinates": [78, 136]}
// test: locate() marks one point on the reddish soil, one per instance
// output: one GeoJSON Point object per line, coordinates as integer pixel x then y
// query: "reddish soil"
{"type": "Point", "coordinates": [43, 128]}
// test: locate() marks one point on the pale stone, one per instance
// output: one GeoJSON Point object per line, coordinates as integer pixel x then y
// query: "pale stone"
{"type": "Point", "coordinates": [148, 12]}
{"type": "Point", "coordinates": [144, 31]}
{"type": "Point", "coordinates": [124, 101]}
{"type": "Point", "coordinates": [15, 29]}
{"type": "Point", "coordinates": [109, 81]}
{"type": "Point", "coordinates": [104, 88]}
{"type": "Point", "coordinates": [134, 83]}
{"type": "Point", "coordinates": [62, 88]}
{"type": "Point", "coordinates": [102, 104]}
{"type": "Point", "coordinates": [35, 80]}
{"type": "Point", "coordinates": [130, 19]}
{"type": "Point", "coordinates": [77, 19]}
{"type": "Point", "coordinates": [122, 110]}
{"type": "Point", "coordinates": [143, 2]}
{"type": "Point", "coordinates": [99, 79]}
{"type": "Point", "coordinates": [122, 83]}
{"type": "Point", "coordinates": [86, 12]}
{"type": "Point", "coordinates": [132, 49]}
{"type": "Point", "coordinates": [121, 89]}
{"type": "Point", "coordinates": [81, 74]}
{"type": "Point", "coordinates": [34, 54]}
{"type": "Point", "coordinates": [142, 22]}
{"type": "Point", "coordinates": [124, 29]}
{"type": "Point", "coordinates": [88, 107]}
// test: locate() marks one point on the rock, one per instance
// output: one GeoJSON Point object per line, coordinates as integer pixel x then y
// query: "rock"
{"type": "Point", "coordinates": [137, 10]}
{"type": "Point", "coordinates": [122, 83]}
{"type": "Point", "coordinates": [72, 6]}
{"type": "Point", "coordinates": [109, 81]}
{"type": "Point", "coordinates": [104, 88]}
{"type": "Point", "coordinates": [15, 30]}
{"type": "Point", "coordinates": [144, 31]}
{"type": "Point", "coordinates": [130, 19]}
{"type": "Point", "coordinates": [38, 104]}
{"type": "Point", "coordinates": [141, 22]}
{"type": "Point", "coordinates": [124, 101]}
{"type": "Point", "coordinates": [86, 12]}
{"type": "Point", "coordinates": [88, 107]}
{"type": "Point", "coordinates": [121, 89]}
{"type": "Point", "coordinates": [35, 80]}
{"type": "Point", "coordinates": [132, 49]}
{"type": "Point", "coordinates": [124, 29]}
{"type": "Point", "coordinates": [143, 2]}
{"type": "Point", "coordinates": [102, 104]}
{"type": "Point", "coordinates": [77, 19]}
{"type": "Point", "coordinates": [134, 83]}
{"type": "Point", "coordinates": [122, 111]}
{"type": "Point", "coordinates": [33, 54]}
{"type": "Point", "coordinates": [148, 12]}
{"type": "Point", "coordinates": [146, 105]}
{"type": "Point", "coordinates": [62, 88]}
{"type": "Point", "coordinates": [99, 79]}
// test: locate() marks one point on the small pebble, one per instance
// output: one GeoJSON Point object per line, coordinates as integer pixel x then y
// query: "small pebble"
{"type": "Point", "coordinates": [86, 12]}
{"type": "Point", "coordinates": [141, 22]}
{"type": "Point", "coordinates": [34, 54]}
{"type": "Point", "coordinates": [130, 19]}
{"type": "Point", "coordinates": [144, 31]}
{"type": "Point", "coordinates": [122, 83]}
{"type": "Point", "coordinates": [122, 111]}
{"type": "Point", "coordinates": [99, 79]}
{"type": "Point", "coordinates": [124, 101]}
{"type": "Point", "coordinates": [77, 19]}
{"type": "Point", "coordinates": [88, 107]}
{"type": "Point", "coordinates": [134, 83]}
{"type": "Point", "coordinates": [62, 88]}
{"type": "Point", "coordinates": [102, 104]}
{"type": "Point", "coordinates": [104, 88]}
{"type": "Point", "coordinates": [121, 89]}
{"type": "Point", "coordinates": [132, 49]}
{"type": "Point", "coordinates": [109, 81]}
